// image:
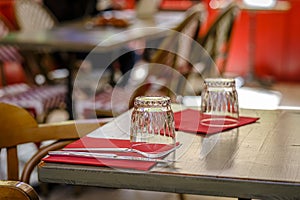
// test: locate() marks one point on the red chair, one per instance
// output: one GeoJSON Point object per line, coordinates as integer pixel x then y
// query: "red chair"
{"type": "Point", "coordinates": [7, 11]}
{"type": "Point", "coordinates": [8, 54]}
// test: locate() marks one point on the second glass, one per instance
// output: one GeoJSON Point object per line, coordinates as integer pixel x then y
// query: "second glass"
{"type": "Point", "coordinates": [219, 102]}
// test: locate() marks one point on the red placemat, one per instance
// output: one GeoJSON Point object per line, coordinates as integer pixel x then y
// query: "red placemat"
{"type": "Point", "coordinates": [88, 142]}
{"type": "Point", "coordinates": [189, 120]}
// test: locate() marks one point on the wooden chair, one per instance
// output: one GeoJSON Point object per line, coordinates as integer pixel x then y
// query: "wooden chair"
{"type": "Point", "coordinates": [216, 41]}
{"type": "Point", "coordinates": [19, 127]}
{"type": "Point", "coordinates": [17, 190]}
{"type": "Point", "coordinates": [175, 53]}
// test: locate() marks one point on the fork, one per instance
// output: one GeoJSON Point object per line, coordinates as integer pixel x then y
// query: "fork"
{"type": "Point", "coordinates": [145, 154]}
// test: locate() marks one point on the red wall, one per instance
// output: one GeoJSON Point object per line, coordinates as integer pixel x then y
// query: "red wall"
{"type": "Point", "coordinates": [277, 44]}
{"type": "Point", "coordinates": [7, 10]}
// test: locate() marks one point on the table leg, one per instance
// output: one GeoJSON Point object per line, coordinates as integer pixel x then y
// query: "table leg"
{"type": "Point", "coordinates": [2, 74]}
{"type": "Point", "coordinates": [69, 95]}
{"type": "Point", "coordinates": [30, 66]}
{"type": "Point", "coordinates": [70, 65]}
{"type": "Point", "coordinates": [181, 196]}
{"type": "Point", "coordinates": [251, 76]}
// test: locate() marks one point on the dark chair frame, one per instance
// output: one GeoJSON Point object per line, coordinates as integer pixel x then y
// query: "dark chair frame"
{"type": "Point", "coordinates": [216, 41]}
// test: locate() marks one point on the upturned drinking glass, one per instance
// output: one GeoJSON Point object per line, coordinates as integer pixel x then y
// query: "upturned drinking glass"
{"type": "Point", "coordinates": [152, 121]}
{"type": "Point", "coordinates": [219, 102]}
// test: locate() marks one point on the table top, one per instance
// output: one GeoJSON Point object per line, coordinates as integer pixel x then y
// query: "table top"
{"type": "Point", "coordinates": [260, 160]}
{"type": "Point", "coordinates": [78, 36]}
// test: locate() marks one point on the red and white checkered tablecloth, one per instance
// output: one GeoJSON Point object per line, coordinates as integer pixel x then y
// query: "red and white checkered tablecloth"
{"type": "Point", "coordinates": [115, 100]}
{"type": "Point", "coordinates": [38, 99]}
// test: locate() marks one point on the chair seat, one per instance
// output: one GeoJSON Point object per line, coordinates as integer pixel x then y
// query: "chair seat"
{"type": "Point", "coordinates": [17, 190]}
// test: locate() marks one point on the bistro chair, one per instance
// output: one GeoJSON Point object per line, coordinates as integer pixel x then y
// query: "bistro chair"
{"type": "Point", "coordinates": [217, 39]}
{"type": "Point", "coordinates": [169, 79]}
{"type": "Point", "coordinates": [17, 190]}
{"type": "Point", "coordinates": [19, 127]}
{"type": "Point", "coordinates": [175, 53]}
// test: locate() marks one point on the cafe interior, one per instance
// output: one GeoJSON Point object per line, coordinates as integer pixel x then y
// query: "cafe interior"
{"type": "Point", "coordinates": [70, 70]}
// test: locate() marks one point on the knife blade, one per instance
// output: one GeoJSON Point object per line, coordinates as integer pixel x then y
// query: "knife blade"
{"type": "Point", "coordinates": [106, 156]}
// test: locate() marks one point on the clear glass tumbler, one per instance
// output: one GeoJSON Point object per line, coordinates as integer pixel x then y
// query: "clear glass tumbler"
{"type": "Point", "coordinates": [152, 121]}
{"type": "Point", "coordinates": [219, 103]}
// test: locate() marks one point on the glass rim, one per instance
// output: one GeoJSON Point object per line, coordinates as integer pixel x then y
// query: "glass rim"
{"type": "Point", "coordinates": [221, 80]}
{"type": "Point", "coordinates": [152, 98]}
{"type": "Point", "coordinates": [152, 101]}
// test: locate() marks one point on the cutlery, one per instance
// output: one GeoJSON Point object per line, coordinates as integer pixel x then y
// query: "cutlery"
{"type": "Point", "coordinates": [106, 156]}
{"type": "Point", "coordinates": [146, 154]}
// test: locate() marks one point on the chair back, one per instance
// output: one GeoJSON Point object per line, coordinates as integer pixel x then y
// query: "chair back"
{"type": "Point", "coordinates": [216, 41]}
{"type": "Point", "coordinates": [173, 54]}
{"type": "Point", "coordinates": [19, 127]}
{"type": "Point", "coordinates": [163, 61]}
{"type": "Point", "coordinates": [31, 15]}
{"type": "Point", "coordinates": [17, 190]}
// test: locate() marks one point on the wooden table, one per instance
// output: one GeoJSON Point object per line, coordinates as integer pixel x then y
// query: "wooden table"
{"type": "Point", "coordinates": [79, 37]}
{"type": "Point", "coordinates": [260, 160]}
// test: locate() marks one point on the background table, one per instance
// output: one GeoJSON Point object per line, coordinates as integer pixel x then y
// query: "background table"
{"type": "Point", "coordinates": [79, 36]}
{"type": "Point", "coordinates": [260, 160]}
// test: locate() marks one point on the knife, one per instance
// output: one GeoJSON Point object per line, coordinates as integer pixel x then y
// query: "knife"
{"type": "Point", "coordinates": [106, 156]}
{"type": "Point", "coordinates": [120, 149]}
